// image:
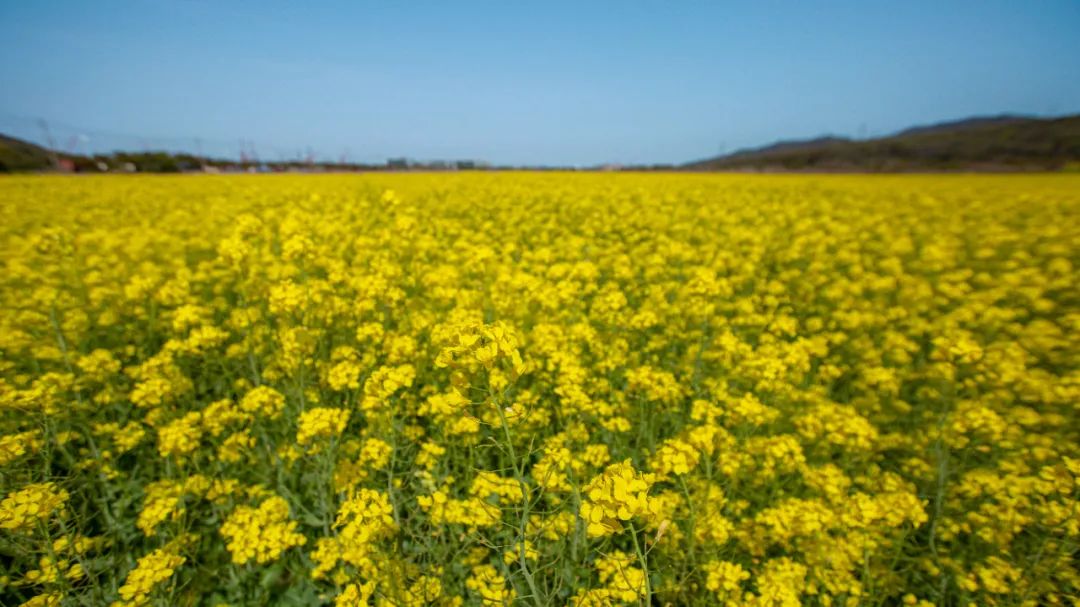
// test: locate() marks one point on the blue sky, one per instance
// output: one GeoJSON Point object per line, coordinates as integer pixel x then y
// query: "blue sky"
{"type": "Point", "coordinates": [522, 82]}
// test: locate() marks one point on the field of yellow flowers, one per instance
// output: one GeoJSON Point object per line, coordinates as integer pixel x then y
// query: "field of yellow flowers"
{"type": "Point", "coordinates": [540, 389]}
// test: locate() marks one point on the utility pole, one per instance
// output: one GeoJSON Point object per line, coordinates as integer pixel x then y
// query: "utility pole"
{"type": "Point", "coordinates": [49, 140]}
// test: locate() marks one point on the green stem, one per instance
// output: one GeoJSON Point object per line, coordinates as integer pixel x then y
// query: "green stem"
{"type": "Point", "coordinates": [519, 475]}
{"type": "Point", "coordinates": [644, 560]}
{"type": "Point", "coordinates": [692, 540]}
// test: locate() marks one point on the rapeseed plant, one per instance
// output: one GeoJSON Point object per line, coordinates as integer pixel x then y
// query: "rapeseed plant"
{"type": "Point", "coordinates": [539, 389]}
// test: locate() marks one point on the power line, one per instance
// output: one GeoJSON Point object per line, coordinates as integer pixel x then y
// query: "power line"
{"type": "Point", "coordinates": [97, 140]}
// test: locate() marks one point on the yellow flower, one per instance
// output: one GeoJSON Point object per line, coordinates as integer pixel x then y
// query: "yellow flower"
{"type": "Point", "coordinates": [14, 446]}
{"type": "Point", "coordinates": [180, 437]}
{"type": "Point", "coordinates": [383, 383]}
{"type": "Point", "coordinates": [724, 577]}
{"type": "Point", "coordinates": [355, 595]}
{"type": "Point", "coordinates": [618, 494]}
{"type": "Point", "coordinates": [46, 599]}
{"type": "Point", "coordinates": [489, 586]}
{"type": "Point", "coordinates": [34, 503]}
{"type": "Point", "coordinates": [320, 423]}
{"type": "Point", "coordinates": [264, 401]}
{"type": "Point", "coordinates": [674, 457]}
{"type": "Point", "coordinates": [260, 534]}
{"type": "Point", "coordinates": [150, 571]}
{"type": "Point", "coordinates": [362, 521]}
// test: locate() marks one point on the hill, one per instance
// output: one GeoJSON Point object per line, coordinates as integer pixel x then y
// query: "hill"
{"type": "Point", "coordinates": [995, 143]}
{"type": "Point", "coordinates": [988, 143]}
{"type": "Point", "coordinates": [17, 155]}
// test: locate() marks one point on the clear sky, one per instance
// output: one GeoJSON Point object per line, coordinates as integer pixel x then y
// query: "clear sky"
{"type": "Point", "coordinates": [522, 82]}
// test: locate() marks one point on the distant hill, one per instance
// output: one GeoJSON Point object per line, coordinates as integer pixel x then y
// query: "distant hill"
{"type": "Point", "coordinates": [994, 143]}
{"type": "Point", "coordinates": [965, 124]}
{"type": "Point", "coordinates": [17, 155]}
{"type": "Point", "coordinates": [987, 143]}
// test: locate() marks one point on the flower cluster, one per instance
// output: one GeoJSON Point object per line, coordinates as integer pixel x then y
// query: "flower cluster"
{"type": "Point", "coordinates": [264, 401]}
{"type": "Point", "coordinates": [150, 571]}
{"type": "Point", "coordinates": [14, 446]}
{"type": "Point", "coordinates": [471, 344]}
{"type": "Point", "coordinates": [490, 586]}
{"type": "Point", "coordinates": [724, 577]}
{"type": "Point", "coordinates": [260, 534]}
{"type": "Point", "coordinates": [362, 521]}
{"type": "Point", "coordinates": [23, 509]}
{"type": "Point", "coordinates": [617, 495]}
{"type": "Point", "coordinates": [674, 457]}
{"type": "Point", "coordinates": [320, 423]}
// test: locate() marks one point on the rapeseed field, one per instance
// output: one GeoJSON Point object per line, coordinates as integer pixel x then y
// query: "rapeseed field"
{"type": "Point", "coordinates": [539, 389]}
